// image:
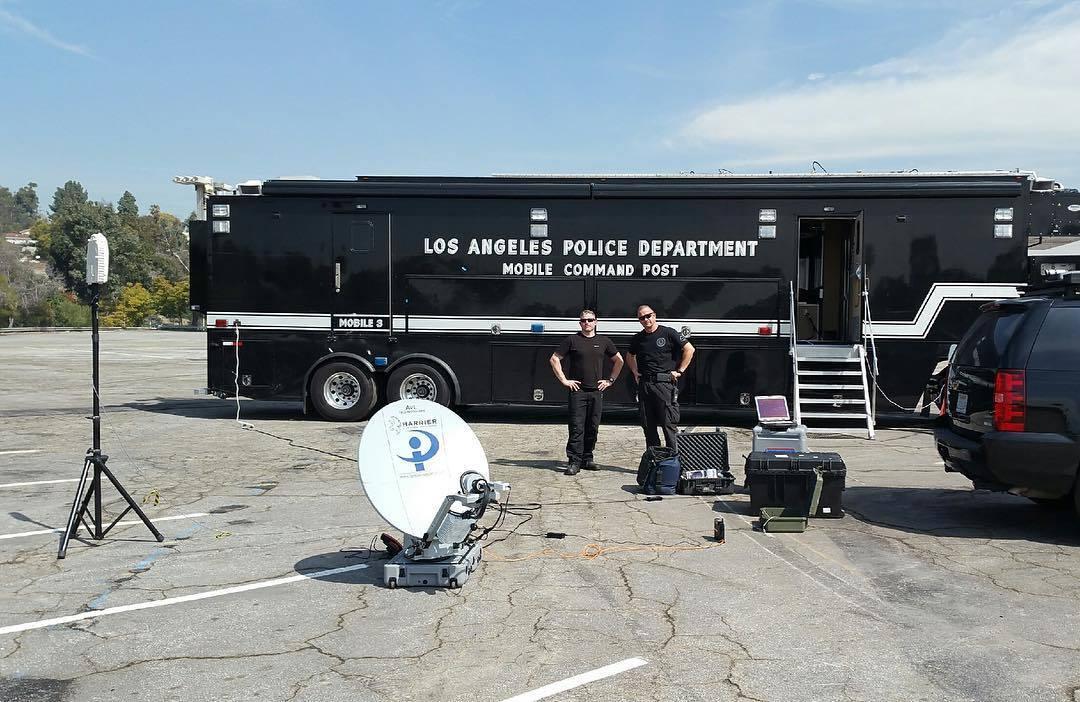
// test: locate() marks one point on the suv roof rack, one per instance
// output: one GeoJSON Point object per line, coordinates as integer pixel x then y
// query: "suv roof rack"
{"type": "Point", "coordinates": [1066, 285]}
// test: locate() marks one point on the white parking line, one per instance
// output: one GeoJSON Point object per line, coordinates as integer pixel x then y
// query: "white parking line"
{"type": "Point", "coordinates": [577, 681]}
{"type": "Point", "coordinates": [12, 452]}
{"type": "Point", "coordinates": [40, 482]}
{"type": "Point", "coordinates": [127, 523]}
{"type": "Point", "coordinates": [16, 628]}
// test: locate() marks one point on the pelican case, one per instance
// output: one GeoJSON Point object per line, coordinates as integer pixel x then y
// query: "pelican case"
{"type": "Point", "coordinates": [704, 459]}
{"type": "Point", "coordinates": [777, 479]}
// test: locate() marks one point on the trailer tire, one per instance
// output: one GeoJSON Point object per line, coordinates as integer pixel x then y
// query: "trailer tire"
{"type": "Point", "coordinates": [418, 381]}
{"type": "Point", "coordinates": [341, 392]}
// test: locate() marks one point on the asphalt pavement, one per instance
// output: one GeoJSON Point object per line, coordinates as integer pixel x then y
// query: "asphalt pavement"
{"type": "Point", "coordinates": [268, 584]}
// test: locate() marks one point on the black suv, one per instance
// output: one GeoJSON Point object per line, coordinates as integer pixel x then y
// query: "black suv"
{"type": "Point", "coordinates": [1013, 396]}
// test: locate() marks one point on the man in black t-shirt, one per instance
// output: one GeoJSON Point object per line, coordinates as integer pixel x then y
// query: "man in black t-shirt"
{"type": "Point", "coordinates": [585, 353]}
{"type": "Point", "coordinates": [658, 357]}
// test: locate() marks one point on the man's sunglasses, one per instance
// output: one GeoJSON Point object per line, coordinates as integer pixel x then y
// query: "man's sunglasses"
{"type": "Point", "coordinates": [642, 318]}
{"type": "Point", "coordinates": [589, 320]}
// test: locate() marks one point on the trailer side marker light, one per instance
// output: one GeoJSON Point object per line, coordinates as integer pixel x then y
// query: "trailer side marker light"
{"type": "Point", "coordinates": [381, 361]}
{"type": "Point", "coordinates": [764, 330]}
{"type": "Point", "coordinates": [766, 215]}
{"type": "Point", "coordinates": [221, 323]}
{"type": "Point", "coordinates": [1003, 214]}
{"type": "Point", "coordinates": [237, 344]}
{"type": "Point", "coordinates": [537, 328]}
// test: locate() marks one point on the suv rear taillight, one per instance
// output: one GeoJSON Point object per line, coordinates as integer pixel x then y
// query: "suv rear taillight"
{"type": "Point", "coordinates": [1010, 400]}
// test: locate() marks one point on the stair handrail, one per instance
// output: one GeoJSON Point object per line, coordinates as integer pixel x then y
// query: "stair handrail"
{"type": "Point", "coordinates": [868, 331]}
{"type": "Point", "coordinates": [792, 350]}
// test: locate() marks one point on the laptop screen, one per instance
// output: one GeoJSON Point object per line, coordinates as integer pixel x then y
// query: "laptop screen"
{"type": "Point", "coordinates": [772, 408]}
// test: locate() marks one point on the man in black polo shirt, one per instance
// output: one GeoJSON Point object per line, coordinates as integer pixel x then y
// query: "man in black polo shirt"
{"type": "Point", "coordinates": [585, 352]}
{"type": "Point", "coordinates": [658, 357]}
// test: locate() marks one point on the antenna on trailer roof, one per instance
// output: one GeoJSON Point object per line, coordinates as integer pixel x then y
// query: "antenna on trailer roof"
{"type": "Point", "coordinates": [818, 164]}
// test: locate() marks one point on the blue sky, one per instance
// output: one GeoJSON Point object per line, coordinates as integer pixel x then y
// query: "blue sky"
{"type": "Point", "coordinates": [125, 95]}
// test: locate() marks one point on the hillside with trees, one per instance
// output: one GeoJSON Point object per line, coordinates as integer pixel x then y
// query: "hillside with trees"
{"type": "Point", "coordinates": [148, 260]}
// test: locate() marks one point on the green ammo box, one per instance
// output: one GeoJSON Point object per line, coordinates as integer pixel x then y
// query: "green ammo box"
{"type": "Point", "coordinates": [791, 520]}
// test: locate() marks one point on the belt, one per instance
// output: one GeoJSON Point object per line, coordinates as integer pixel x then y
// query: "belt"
{"type": "Point", "coordinates": [656, 377]}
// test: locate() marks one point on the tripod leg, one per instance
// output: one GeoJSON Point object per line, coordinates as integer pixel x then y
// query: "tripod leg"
{"type": "Point", "coordinates": [131, 502]}
{"type": "Point", "coordinates": [76, 510]}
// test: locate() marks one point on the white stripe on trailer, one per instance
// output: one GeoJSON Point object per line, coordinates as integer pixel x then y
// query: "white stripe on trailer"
{"type": "Point", "coordinates": [16, 628]}
{"type": "Point", "coordinates": [269, 320]}
{"type": "Point", "coordinates": [935, 299]}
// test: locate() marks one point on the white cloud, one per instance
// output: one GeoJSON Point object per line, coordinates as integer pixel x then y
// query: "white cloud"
{"type": "Point", "coordinates": [30, 29]}
{"type": "Point", "coordinates": [815, 76]}
{"type": "Point", "coordinates": [988, 87]}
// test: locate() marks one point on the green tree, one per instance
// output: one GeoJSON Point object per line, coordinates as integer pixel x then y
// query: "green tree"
{"type": "Point", "coordinates": [167, 236]}
{"type": "Point", "coordinates": [26, 205]}
{"type": "Point", "coordinates": [170, 299]}
{"type": "Point", "coordinates": [133, 306]}
{"type": "Point", "coordinates": [68, 198]}
{"type": "Point", "coordinates": [66, 311]}
{"type": "Point", "coordinates": [9, 302]}
{"type": "Point", "coordinates": [127, 208]}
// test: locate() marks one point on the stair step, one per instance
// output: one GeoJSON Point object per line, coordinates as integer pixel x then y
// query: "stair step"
{"type": "Point", "coordinates": [831, 401]}
{"type": "Point", "coordinates": [818, 359]}
{"type": "Point", "coordinates": [832, 415]}
{"type": "Point", "coordinates": [829, 372]}
{"type": "Point", "coordinates": [818, 386]}
{"type": "Point", "coordinates": [852, 431]}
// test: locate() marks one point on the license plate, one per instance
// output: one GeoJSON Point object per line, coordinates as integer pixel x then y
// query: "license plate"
{"type": "Point", "coordinates": [961, 403]}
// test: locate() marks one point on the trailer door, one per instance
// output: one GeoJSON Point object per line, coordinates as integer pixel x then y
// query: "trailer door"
{"type": "Point", "coordinates": [361, 273]}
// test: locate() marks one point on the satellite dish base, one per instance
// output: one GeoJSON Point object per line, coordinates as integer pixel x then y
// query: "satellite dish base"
{"type": "Point", "coordinates": [445, 556]}
{"type": "Point", "coordinates": [451, 572]}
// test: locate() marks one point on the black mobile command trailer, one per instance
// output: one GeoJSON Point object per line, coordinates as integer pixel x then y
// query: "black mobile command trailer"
{"type": "Point", "coordinates": [345, 293]}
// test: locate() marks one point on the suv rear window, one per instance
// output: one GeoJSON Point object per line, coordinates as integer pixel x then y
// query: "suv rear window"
{"type": "Point", "coordinates": [985, 343]}
{"type": "Point", "coordinates": [1058, 345]}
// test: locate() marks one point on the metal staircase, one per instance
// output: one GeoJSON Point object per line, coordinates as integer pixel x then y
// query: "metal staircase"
{"type": "Point", "coordinates": [829, 383]}
{"type": "Point", "coordinates": [832, 395]}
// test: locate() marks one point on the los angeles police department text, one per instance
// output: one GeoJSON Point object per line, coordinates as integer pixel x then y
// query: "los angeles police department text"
{"type": "Point", "coordinates": [603, 249]}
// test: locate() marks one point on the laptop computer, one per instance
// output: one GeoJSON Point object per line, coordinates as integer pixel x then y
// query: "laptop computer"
{"type": "Point", "coordinates": [772, 410]}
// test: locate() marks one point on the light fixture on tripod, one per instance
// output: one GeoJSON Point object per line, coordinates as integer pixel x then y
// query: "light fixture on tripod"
{"type": "Point", "coordinates": [97, 274]}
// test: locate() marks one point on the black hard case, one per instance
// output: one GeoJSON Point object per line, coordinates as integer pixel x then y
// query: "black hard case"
{"type": "Point", "coordinates": [786, 479]}
{"type": "Point", "coordinates": [703, 451]}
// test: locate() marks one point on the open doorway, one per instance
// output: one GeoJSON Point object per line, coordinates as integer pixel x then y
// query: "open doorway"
{"type": "Point", "coordinates": [830, 280]}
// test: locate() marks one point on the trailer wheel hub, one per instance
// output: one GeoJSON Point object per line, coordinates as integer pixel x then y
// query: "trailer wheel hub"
{"type": "Point", "coordinates": [342, 391]}
{"type": "Point", "coordinates": [418, 386]}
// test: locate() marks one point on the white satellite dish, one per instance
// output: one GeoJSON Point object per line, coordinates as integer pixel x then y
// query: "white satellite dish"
{"type": "Point", "coordinates": [412, 455]}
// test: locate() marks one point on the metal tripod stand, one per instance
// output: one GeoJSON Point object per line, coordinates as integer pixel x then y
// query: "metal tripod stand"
{"type": "Point", "coordinates": [96, 460]}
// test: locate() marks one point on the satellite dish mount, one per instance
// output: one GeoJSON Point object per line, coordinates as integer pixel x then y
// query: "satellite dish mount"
{"type": "Point", "coordinates": [97, 274]}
